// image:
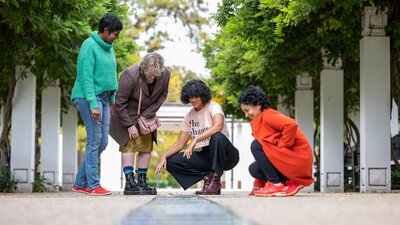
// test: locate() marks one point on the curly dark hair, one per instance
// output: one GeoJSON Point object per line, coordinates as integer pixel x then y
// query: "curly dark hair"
{"type": "Point", "coordinates": [254, 96]}
{"type": "Point", "coordinates": [195, 88]}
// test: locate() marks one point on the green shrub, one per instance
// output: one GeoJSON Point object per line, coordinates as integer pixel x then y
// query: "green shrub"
{"type": "Point", "coordinates": [7, 181]}
{"type": "Point", "coordinates": [39, 184]}
{"type": "Point", "coordinates": [395, 177]}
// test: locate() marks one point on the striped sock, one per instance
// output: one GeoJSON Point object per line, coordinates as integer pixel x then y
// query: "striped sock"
{"type": "Point", "coordinates": [128, 169]}
{"type": "Point", "coordinates": [142, 170]}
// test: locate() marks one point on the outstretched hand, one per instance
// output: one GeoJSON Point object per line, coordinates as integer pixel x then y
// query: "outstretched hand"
{"type": "Point", "coordinates": [162, 164]}
{"type": "Point", "coordinates": [189, 150]}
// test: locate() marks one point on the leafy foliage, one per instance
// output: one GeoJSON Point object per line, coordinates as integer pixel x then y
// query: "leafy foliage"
{"type": "Point", "coordinates": [268, 43]}
{"type": "Point", "coordinates": [44, 37]}
{"type": "Point", "coordinates": [7, 181]}
{"type": "Point", "coordinates": [151, 17]}
{"type": "Point", "coordinates": [39, 184]}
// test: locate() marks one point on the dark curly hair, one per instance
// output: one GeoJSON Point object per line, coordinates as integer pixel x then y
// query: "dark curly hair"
{"type": "Point", "coordinates": [195, 88]}
{"type": "Point", "coordinates": [254, 96]}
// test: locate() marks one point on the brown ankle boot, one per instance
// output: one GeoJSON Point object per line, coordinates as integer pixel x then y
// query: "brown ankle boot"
{"type": "Point", "coordinates": [214, 188]}
{"type": "Point", "coordinates": [207, 181]}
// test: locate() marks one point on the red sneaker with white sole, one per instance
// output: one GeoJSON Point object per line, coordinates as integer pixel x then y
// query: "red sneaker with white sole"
{"type": "Point", "coordinates": [293, 188]}
{"type": "Point", "coordinates": [270, 189]}
{"type": "Point", "coordinates": [99, 191]}
{"type": "Point", "coordinates": [83, 190]}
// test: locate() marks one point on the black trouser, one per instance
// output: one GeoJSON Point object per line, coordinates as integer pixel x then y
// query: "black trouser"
{"type": "Point", "coordinates": [262, 168]}
{"type": "Point", "coordinates": [220, 155]}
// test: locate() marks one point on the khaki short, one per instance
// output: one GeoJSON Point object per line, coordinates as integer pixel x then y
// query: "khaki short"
{"type": "Point", "coordinates": [142, 144]}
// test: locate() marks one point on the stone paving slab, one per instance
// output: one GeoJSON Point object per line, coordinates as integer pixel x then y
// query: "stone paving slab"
{"type": "Point", "coordinates": [71, 208]}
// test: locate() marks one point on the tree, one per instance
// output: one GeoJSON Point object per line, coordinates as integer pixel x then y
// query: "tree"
{"type": "Point", "coordinates": [150, 19]}
{"type": "Point", "coordinates": [44, 37]}
{"type": "Point", "coordinates": [268, 43]}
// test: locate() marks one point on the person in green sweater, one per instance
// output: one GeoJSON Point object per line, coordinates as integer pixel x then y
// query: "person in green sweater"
{"type": "Point", "coordinates": [93, 95]}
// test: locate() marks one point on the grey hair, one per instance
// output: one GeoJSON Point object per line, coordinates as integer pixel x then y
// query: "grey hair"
{"type": "Point", "coordinates": [152, 60]}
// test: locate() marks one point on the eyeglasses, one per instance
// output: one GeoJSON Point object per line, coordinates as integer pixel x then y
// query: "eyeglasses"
{"type": "Point", "coordinates": [149, 75]}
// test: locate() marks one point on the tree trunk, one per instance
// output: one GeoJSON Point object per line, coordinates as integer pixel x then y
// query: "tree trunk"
{"type": "Point", "coordinates": [317, 156]}
{"type": "Point", "coordinates": [5, 148]}
{"type": "Point", "coordinates": [38, 133]}
{"type": "Point", "coordinates": [394, 17]}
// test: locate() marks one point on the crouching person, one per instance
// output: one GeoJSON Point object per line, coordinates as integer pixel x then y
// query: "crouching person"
{"type": "Point", "coordinates": [210, 151]}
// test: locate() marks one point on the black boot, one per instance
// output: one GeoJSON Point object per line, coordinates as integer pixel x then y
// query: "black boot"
{"type": "Point", "coordinates": [146, 188]}
{"type": "Point", "coordinates": [131, 187]}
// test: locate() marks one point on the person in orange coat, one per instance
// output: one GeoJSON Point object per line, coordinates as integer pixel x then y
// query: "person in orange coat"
{"type": "Point", "coordinates": [282, 153]}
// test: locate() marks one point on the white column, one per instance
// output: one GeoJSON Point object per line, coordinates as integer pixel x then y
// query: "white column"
{"type": "Point", "coordinates": [50, 133]}
{"type": "Point", "coordinates": [375, 173]}
{"type": "Point", "coordinates": [23, 131]}
{"type": "Point", "coordinates": [304, 111]}
{"type": "Point", "coordinates": [242, 139]}
{"type": "Point", "coordinates": [69, 147]}
{"type": "Point", "coordinates": [331, 146]}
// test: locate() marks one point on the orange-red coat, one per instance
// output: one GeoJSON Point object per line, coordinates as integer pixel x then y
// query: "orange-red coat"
{"type": "Point", "coordinates": [285, 145]}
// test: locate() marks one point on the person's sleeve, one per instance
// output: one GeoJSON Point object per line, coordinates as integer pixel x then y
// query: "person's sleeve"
{"type": "Point", "coordinates": [122, 99]}
{"type": "Point", "coordinates": [87, 62]}
{"type": "Point", "coordinates": [215, 109]}
{"type": "Point", "coordinates": [286, 125]}
{"type": "Point", "coordinates": [185, 123]}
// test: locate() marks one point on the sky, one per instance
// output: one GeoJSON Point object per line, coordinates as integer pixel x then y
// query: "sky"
{"type": "Point", "coordinates": [180, 51]}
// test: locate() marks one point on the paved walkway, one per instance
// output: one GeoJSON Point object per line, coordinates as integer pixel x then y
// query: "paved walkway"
{"type": "Point", "coordinates": [68, 208]}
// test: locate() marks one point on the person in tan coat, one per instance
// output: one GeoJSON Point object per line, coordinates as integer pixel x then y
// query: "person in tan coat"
{"type": "Point", "coordinates": [282, 152]}
{"type": "Point", "coordinates": [152, 78]}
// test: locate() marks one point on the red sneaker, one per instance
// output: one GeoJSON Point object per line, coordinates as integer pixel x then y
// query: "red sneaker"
{"type": "Point", "coordinates": [83, 190]}
{"type": "Point", "coordinates": [99, 191]}
{"type": "Point", "coordinates": [293, 188]}
{"type": "Point", "coordinates": [254, 189]}
{"type": "Point", "coordinates": [270, 189]}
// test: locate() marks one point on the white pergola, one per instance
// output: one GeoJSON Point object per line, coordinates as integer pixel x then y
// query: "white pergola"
{"type": "Point", "coordinates": [59, 165]}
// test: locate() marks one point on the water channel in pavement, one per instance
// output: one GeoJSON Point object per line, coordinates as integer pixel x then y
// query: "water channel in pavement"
{"type": "Point", "coordinates": [177, 210]}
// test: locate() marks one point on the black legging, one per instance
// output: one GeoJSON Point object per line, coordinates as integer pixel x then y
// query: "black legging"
{"type": "Point", "coordinates": [262, 168]}
{"type": "Point", "coordinates": [220, 155]}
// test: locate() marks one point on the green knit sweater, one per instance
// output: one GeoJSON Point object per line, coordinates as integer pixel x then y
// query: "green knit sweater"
{"type": "Point", "coordinates": [96, 70]}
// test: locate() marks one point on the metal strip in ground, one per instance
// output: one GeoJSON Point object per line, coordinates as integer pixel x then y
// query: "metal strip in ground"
{"type": "Point", "coordinates": [177, 210]}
